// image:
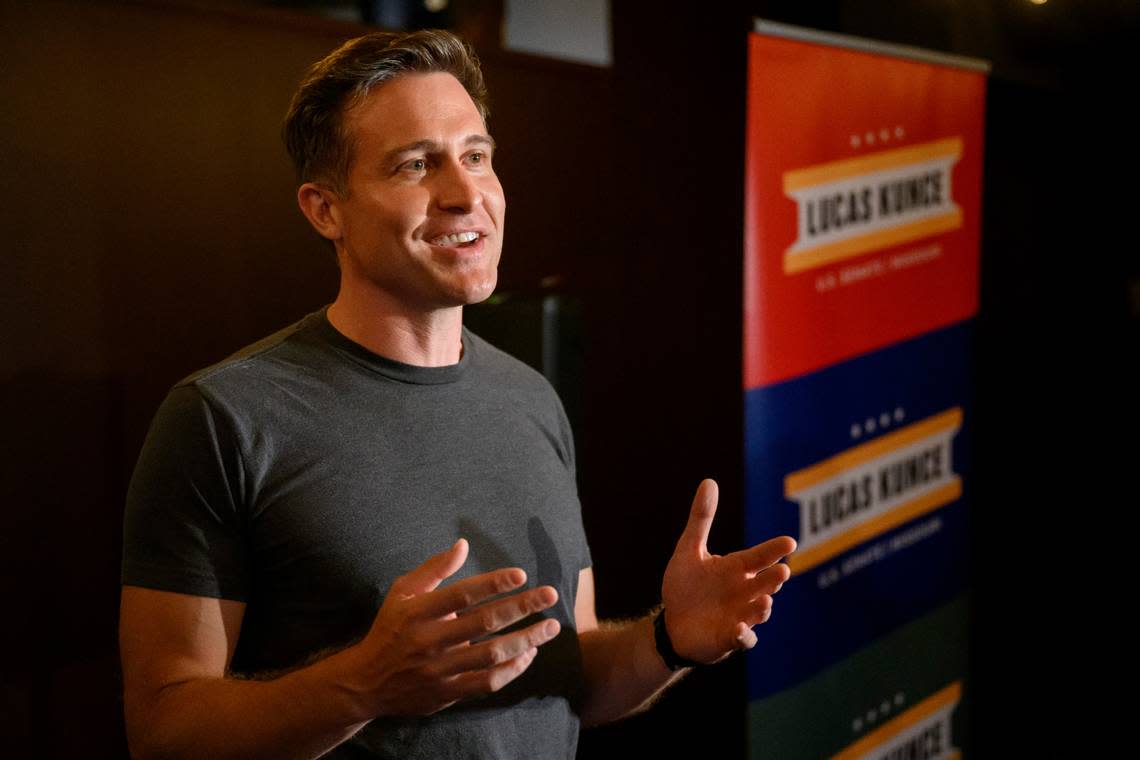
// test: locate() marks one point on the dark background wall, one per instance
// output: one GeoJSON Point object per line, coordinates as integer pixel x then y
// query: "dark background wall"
{"type": "Point", "coordinates": [147, 225]}
{"type": "Point", "coordinates": [149, 228]}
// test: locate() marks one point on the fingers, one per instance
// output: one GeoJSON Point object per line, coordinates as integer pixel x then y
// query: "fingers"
{"type": "Point", "coordinates": [766, 554]}
{"type": "Point", "coordinates": [499, 650]}
{"type": "Point", "coordinates": [696, 534]}
{"type": "Point", "coordinates": [491, 679]}
{"type": "Point", "coordinates": [758, 611]}
{"type": "Point", "coordinates": [768, 581]}
{"type": "Point", "coordinates": [492, 617]}
{"type": "Point", "coordinates": [419, 645]}
{"type": "Point", "coordinates": [490, 665]}
{"type": "Point", "coordinates": [745, 637]}
{"type": "Point", "coordinates": [433, 572]}
{"type": "Point", "coordinates": [470, 592]}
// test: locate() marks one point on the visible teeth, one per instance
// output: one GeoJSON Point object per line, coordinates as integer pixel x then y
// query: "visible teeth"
{"type": "Point", "coordinates": [457, 238]}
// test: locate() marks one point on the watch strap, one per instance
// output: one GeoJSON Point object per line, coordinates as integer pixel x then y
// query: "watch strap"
{"type": "Point", "coordinates": [673, 661]}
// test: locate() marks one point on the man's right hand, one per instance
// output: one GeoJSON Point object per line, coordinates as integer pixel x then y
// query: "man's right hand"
{"type": "Point", "coordinates": [430, 647]}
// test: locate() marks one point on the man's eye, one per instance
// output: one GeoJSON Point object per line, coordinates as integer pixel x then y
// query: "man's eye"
{"type": "Point", "coordinates": [416, 165]}
{"type": "Point", "coordinates": [477, 158]}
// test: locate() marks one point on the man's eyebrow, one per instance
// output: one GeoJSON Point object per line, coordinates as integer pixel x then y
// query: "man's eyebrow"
{"type": "Point", "coordinates": [485, 140]}
{"type": "Point", "coordinates": [431, 146]}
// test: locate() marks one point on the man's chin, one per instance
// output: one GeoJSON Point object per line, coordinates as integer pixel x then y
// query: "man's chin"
{"type": "Point", "coordinates": [478, 293]}
{"type": "Point", "coordinates": [478, 299]}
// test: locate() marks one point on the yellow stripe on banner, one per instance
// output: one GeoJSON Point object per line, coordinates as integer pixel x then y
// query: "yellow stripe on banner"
{"type": "Point", "coordinates": [844, 249]}
{"type": "Point", "coordinates": [801, 480]}
{"type": "Point", "coordinates": [895, 726]}
{"type": "Point", "coordinates": [835, 171]}
{"type": "Point", "coordinates": [805, 559]}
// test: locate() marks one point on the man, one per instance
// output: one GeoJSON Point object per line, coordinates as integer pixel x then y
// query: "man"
{"type": "Point", "coordinates": [278, 597]}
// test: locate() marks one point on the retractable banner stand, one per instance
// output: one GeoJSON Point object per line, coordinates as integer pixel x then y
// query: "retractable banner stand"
{"type": "Point", "coordinates": [864, 166]}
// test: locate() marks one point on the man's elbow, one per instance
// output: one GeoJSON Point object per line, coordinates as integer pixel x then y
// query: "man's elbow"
{"type": "Point", "coordinates": [152, 723]}
{"type": "Point", "coordinates": [601, 714]}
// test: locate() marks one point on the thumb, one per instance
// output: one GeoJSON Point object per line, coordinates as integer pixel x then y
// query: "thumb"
{"type": "Point", "coordinates": [696, 535]}
{"type": "Point", "coordinates": [434, 571]}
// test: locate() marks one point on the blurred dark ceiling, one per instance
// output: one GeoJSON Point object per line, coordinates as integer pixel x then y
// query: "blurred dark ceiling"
{"type": "Point", "coordinates": [1054, 43]}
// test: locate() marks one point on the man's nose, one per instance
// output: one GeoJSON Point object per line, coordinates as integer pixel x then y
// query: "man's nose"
{"type": "Point", "coordinates": [458, 189]}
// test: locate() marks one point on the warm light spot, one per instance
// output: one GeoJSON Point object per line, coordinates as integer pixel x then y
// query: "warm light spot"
{"type": "Point", "coordinates": [1038, 2]}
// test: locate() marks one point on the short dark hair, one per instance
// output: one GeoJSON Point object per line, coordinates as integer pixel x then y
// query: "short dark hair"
{"type": "Point", "coordinates": [314, 127]}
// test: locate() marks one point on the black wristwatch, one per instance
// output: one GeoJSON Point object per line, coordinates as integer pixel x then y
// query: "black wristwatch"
{"type": "Point", "coordinates": [673, 661]}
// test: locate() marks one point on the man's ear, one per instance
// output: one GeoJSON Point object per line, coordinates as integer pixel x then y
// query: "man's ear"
{"type": "Point", "coordinates": [318, 204]}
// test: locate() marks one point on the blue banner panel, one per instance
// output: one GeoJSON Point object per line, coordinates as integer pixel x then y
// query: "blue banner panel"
{"type": "Point", "coordinates": [866, 464]}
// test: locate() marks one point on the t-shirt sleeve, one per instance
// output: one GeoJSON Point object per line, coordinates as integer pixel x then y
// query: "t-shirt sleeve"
{"type": "Point", "coordinates": [183, 526]}
{"type": "Point", "coordinates": [566, 434]}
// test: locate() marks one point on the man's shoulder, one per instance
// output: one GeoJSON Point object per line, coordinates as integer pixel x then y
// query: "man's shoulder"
{"type": "Point", "coordinates": [515, 378]}
{"type": "Point", "coordinates": [257, 354]}
{"type": "Point", "coordinates": [245, 374]}
{"type": "Point", "coordinates": [505, 367]}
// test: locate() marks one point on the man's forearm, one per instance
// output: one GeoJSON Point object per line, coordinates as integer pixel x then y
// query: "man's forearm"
{"type": "Point", "coordinates": [302, 714]}
{"type": "Point", "coordinates": [623, 671]}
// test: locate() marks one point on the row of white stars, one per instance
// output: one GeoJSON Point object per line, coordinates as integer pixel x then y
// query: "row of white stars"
{"type": "Point", "coordinates": [884, 135]}
{"type": "Point", "coordinates": [874, 714]}
{"type": "Point", "coordinates": [870, 425]}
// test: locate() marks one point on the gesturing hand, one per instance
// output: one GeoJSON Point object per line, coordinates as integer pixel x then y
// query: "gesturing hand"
{"type": "Point", "coordinates": [419, 655]}
{"type": "Point", "coordinates": [712, 602]}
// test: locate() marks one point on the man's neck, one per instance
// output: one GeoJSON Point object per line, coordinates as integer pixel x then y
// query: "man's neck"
{"type": "Point", "coordinates": [432, 339]}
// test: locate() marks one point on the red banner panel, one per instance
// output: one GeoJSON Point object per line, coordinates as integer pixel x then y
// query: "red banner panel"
{"type": "Point", "coordinates": [862, 208]}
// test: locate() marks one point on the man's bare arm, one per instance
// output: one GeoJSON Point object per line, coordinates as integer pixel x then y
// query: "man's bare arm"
{"type": "Point", "coordinates": [711, 603]}
{"type": "Point", "coordinates": [178, 701]}
{"type": "Point", "coordinates": [417, 658]}
{"type": "Point", "coordinates": [624, 674]}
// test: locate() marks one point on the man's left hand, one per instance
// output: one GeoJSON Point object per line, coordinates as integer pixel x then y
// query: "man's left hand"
{"type": "Point", "coordinates": [712, 602]}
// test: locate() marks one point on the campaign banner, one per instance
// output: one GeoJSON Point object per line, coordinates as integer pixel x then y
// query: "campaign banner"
{"type": "Point", "coordinates": [863, 201]}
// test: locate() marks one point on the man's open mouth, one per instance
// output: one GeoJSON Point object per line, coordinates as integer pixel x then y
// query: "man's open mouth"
{"type": "Point", "coordinates": [459, 239]}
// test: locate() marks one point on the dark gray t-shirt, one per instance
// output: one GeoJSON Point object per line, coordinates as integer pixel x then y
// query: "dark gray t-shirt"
{"type": "Point", "coordinates": [305, 473]}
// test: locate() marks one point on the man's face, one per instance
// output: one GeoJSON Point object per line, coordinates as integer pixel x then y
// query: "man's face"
{"type": "Point", "coordinates": [423, 220]}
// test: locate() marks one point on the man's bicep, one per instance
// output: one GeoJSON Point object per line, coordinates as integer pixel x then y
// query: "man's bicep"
{"type": "Point", "coordinates": [184, 522]}
{"type": "Point", "coordinates": [167, 638]}
{"type": "Point", "coordinates": [585, 613]}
